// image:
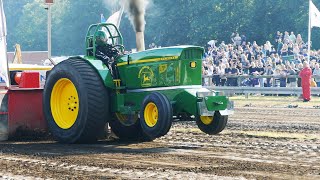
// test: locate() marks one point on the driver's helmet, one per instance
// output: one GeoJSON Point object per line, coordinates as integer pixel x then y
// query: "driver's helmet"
{"type": "Point", "coordinates": [101, 38]}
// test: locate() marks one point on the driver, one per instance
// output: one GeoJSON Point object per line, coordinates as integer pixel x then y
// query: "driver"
{"type": "Point", "coordinates": [106, 52]}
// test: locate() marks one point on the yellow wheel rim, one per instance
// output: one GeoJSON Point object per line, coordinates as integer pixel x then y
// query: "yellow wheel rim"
{"type": "Point", "coordinates": [151, 114]}
{"type": "Point", "coordinates": [206, 119]}
{"type": "Point", "coordinates": [64, 103]}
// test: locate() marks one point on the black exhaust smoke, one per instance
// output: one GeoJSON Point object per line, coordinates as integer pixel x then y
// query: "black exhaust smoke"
{"type": "Point", "coordinates": [136, 10]}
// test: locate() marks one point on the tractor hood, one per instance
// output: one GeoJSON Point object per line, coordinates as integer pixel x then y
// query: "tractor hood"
{"type": "Point", "coordinates": [167, 53]}
{"type": "Point", "coordinates": [162, 67]}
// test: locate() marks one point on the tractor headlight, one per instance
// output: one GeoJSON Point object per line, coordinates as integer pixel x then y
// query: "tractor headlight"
{"type": "Point", "coordinates": [193, 64]}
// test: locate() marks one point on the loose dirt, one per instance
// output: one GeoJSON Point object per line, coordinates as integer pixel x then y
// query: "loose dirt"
{"type": "Point", "coordinates": [270, 140]}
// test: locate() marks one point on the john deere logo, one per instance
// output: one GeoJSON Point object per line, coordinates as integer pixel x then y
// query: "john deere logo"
{"type": "Point", "coordinates": [146, 76]}
{"type": "Point", "coordinates": [163, 68]}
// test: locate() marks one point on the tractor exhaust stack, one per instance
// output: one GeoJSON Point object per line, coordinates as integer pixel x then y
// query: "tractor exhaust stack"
{"type": "Point", "coordinates": [140, 41]}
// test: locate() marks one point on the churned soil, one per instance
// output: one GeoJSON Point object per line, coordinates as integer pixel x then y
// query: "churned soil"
{"type": "Point", "coordinates": [269, 140]}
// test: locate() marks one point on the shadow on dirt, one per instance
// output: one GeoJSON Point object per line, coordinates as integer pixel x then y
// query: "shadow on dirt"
{"type": "Point", "coordinates": [52, 149]}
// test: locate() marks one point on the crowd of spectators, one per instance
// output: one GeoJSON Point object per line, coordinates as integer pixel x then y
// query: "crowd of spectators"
{"type": "Point", "coordinates": [224, 62]}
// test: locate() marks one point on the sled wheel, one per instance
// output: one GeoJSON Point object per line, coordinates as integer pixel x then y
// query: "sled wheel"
{"type": "Point", "coordinates": [156, 115]}
{"type": "Point", "coordinates": [127, 127]}
{"type": "Point", "coordinates": [75, 102]}
{"type": "Point", "coordinates": [212, 124]}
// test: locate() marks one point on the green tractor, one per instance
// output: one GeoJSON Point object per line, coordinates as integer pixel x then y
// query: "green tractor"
{"type": "Point", "coordinates": [150, 89]}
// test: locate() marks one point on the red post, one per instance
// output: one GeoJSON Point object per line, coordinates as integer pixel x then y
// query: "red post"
{"type": "Point", "coordinates": [48, 1]}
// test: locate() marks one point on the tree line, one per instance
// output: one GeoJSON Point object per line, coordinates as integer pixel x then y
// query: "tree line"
{"type": "Point", "coordinates": [168, 22]}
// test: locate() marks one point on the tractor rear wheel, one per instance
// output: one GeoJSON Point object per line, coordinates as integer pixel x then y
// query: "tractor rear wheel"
{"type": "Point", "coordinates": [156, 115]}
{"type": "Point", "coordinates": [212, 124]}
{"type": "Point", "coordinates": [127, 127]}
{"type": "Point", "coordinates": [75, 102]}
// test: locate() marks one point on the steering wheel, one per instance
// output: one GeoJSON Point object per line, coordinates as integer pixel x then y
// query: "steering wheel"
{"type": "Point", "coordinates": [119, 47]}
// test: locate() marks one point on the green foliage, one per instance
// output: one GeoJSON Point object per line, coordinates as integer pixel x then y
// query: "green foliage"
{"type": "Point", "coordinates": [168, 22]}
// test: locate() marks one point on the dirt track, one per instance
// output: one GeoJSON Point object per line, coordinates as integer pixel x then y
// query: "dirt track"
{"type": "Point", "coordinates": [259, 143]}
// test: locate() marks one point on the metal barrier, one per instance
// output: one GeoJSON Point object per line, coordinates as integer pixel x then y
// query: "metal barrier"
{"type": "Point", "coordinates": [240, 78]}
{"type": "Point", "coordinates": [262, 90]}
{"type": "Point", "coordinates": [229, 90]}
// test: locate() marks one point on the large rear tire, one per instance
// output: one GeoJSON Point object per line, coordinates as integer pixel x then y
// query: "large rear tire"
{"type": "Point", "coordinates": [76, 103]}
{"type": "Point", "coordinates": [212, 124]}
{"type": "Point", "coordinates": [156, 115]}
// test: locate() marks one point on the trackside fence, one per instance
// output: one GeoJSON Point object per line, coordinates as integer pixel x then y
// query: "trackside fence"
{"type": "Point", "coordinates": [247, 90]}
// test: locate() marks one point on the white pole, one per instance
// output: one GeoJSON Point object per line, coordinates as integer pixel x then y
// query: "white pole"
{"type": "Point", "coordinates": [49, 31]}
{"type": "Point", "coordinates": [5, 75]}
{"type": "Point", "coordinates": [309, 32]}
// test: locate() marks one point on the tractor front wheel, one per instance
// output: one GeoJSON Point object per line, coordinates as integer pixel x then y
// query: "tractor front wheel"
{"type": "Point", "coordinates": [212, 124]}
{"type": "Point", "coordinates": [75, 102]}
{"type": "Point", "coordinates": [156, 115]}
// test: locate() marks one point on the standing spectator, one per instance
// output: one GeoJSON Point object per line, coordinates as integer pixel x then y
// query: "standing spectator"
{"type": "Point", "coordinates": [228, 73]}
{"type": "Point", "coordinates": [216, 76]}
{"type": "Point", "coordinates": [269, 72]}
{"type": "Point", "coordinates": [284, 50]}
{"type": "Point", "coordinates": [277, 74]}
{"type": "Point", "coordinates": [240, 68]}
{"type": "Point", "coordinates": [261, 72]}
{"type": "Point", "coordinates": [243, 40]}
{"type": "Point", "coordinates": [245, 67]}
{"type": "Point", "coordinates": [267, 48]}
{"type": "Point", "coordinates": [292, 38]}
{"type": "Point", "coordinates": [305, 75]}
{"type": "Point", "coordinates": [234, 72]}
{"type": "Point", "coordinates": [280, 45]}
{"type": "Point", "coordinates": [237, 40]}
{"type": "Point", "coordinates": [232, 37]}
{"type": "Point", "coordinates": [224, 59]}
{"type": "Point", "coordinates": [292, 82]}
{"type": "Point", "coordinates": [278, 36]}
{"type": "Point", "coordinates": [316, 72]}
{"type": "Point", "coordinates": [286, 38]}
{"type": "Point", "coordinates": [290, 48]}
{"type": "Point", "coordinates": [204, 73]}
{"type": "Point", "coordinates": [222, 73]}
{"type": "Point", "coordinates": [253, 70]}
{"type": "Point", "coordinates": [296, 49]}
{"type": "Point", "coordinates": [210, 66]}
{"type": "Point", "coordinates": [299, 69]}
{"type": "Point", "coordinates": [299, 40]}
{"type": "Point", "coordinates": [283, 74]}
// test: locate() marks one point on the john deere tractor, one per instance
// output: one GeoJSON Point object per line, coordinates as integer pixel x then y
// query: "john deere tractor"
{"type": "Point", "coordinates": [149, 90]}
